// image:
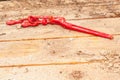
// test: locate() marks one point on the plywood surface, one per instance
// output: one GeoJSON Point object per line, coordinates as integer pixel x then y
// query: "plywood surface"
{"type": "Point", "coordinates": [51, 52]}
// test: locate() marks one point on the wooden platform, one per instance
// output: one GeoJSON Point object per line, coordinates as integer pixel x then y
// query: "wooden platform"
{"type": "Point", "coordinates": [53, 53]}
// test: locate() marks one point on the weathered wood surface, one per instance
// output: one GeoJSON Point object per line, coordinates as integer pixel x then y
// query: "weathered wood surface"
{"type": "Point", "coordinates": [51, 52]}
{"type": "Point", "coordinates": [76, 9]}
{"type": "Point", "coordinates": [35, 45]}
{"type": "Point", "coordinates": [57, 51]}
{"type": "Point", "coordinates": [94, 71]}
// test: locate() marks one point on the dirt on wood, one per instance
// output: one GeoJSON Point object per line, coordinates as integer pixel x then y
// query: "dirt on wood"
{"type": "Point", "coordinates": [79, 9]}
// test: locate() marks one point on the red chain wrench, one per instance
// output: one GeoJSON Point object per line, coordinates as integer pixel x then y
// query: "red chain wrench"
{"type": "Point", "coordinates": [36, 20]}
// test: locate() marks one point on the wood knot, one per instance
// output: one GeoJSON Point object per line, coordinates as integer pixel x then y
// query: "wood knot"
{"type": "Point", "coordinates": [76, 75]}
{"type": "Point", "coordinates": [1, 34]}
{"type": "Point", "coordinates": [79, 52]}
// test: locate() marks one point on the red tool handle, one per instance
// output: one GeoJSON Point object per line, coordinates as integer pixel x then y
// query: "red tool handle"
{"type": "Point", "coordinates": [82, 29]}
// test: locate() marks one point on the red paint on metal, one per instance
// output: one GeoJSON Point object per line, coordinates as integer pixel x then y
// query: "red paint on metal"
{"type": "Point", "coordinates": [44, 20]}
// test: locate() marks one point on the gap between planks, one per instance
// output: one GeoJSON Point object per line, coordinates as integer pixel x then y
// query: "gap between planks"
{"type": "Point", "coordinates": [115, 17]}
{"type": "Point", "coordinates": [31, 39]}
{"type": "Point", "coordinates": [46, 64]}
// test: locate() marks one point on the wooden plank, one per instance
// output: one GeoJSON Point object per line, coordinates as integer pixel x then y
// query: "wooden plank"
{"type": "Point", "coordinates": [48, 3]}
{"type": "Point", "coordinates": [94, 71]}
{"type": "Point", "coordinates": [28, 46]}
{"type": "Point", "coordinates": [110, 26]}
{"type": "Point", "coordinates": [62, 2]}
{"type": "Point", "coordinates": [57, 51]}
{"type": "Point", "coordinates": [83, 10]}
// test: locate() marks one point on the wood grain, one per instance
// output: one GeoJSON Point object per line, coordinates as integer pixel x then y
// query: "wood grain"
{"type": "Point", "coordinates": [57, 51]}
{"type": "Point", "coordinates": [64, 72]}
